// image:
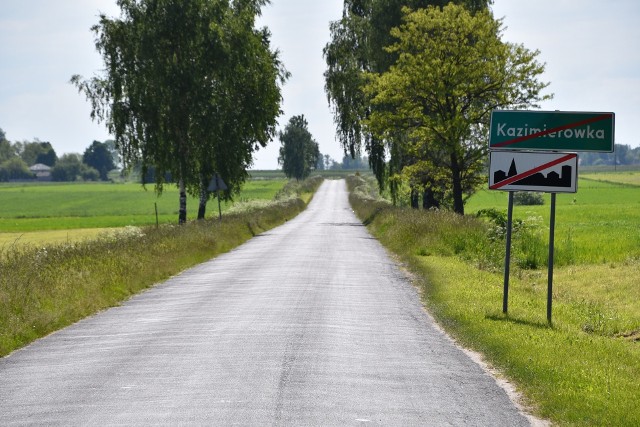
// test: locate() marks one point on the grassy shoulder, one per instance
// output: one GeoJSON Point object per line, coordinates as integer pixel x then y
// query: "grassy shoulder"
{"type": "Point", "coordinates": [581, 370]}
{"type": "Point", "coordinates": [46, 288]}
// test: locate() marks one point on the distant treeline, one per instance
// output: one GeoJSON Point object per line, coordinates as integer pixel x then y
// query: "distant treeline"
{"type": "Point", "coordinates": [622, 155]}
{"type": "Point", "coordinates": [325, 162]}
{"type": "Point", "coordinates": [37, 160]}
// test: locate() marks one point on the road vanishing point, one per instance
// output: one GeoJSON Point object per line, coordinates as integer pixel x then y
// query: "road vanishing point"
{"type": "Point", "coordinates": [309, 324]}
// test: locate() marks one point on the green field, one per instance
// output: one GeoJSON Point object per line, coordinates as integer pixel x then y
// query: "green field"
{"type": "Point", "coordinates": [58, 212]}
{"type": "Point", "coordinates": [28, 207]}
{"type": "Point", "coordinates": [598, 224]}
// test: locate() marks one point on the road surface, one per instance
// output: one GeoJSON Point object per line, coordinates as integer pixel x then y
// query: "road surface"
{"type": "Point", "coordinates": [310, 324]}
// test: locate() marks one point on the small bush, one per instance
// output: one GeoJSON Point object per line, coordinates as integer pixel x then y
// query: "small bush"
{"type": "Point", "coordinates": [528, 198]}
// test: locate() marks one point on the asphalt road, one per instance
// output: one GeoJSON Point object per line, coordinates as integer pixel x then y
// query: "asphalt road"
{"type": "Point", "coordinates": [310, 324]}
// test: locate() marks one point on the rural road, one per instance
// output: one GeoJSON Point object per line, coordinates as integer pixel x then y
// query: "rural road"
{"type": "Point", "coordinates": [309, 324]}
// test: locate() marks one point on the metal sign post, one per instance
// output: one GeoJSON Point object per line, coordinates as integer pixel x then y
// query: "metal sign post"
{"type": "Point", "coordinates": [216, 185]}
{"type": "Point", "coordinates": [507, 256]}
{"type": "Point", "coordinates": [552, 228]}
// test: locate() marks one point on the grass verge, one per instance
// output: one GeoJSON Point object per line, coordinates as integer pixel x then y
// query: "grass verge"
{"type": "Point", "coordinates": [581, 370]}
{"type": "Point", "coordinates": [46, 288]}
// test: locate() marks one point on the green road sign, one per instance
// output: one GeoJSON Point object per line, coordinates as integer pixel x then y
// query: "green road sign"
{"type": "Point", "coordinates": [552, 131]}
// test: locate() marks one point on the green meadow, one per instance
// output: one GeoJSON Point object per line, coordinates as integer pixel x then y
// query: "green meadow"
{"type": "Point", "coordinates": [598, 224]}
{"type": "Point", "coordinates": [58, 212]}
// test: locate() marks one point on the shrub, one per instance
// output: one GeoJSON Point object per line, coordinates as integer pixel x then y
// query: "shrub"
{"type": "Point", "coordinates": [528, 198]}
{"type": "Point", "coordinates": [15, 168]}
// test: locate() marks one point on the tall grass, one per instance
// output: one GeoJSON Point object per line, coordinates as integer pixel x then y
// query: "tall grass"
{"type": "Point", "coordinates": [599, 224]}
{"type": "Point", "coordinates": [582, 369]}
{"type": "Point", "coordinates": [444, 233]}
{"type": "Point", "coordinates": [45, 288]}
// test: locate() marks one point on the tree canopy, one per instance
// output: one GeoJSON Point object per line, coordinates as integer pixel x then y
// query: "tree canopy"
{"type": "Point", "coordinates": [98, 156]}
{"type": "Point", "coordinates": [413, 86]}
{"type": "Point", "coordinates": [37, 152]}
{"type": "Point", "coordinates": [7, 150]}
{"type": "Point", "coordinates": [452, 71]}
{"type": "Point", "coordinates": [356, 48]}
{"type": "Point", "coordinates": [299, 152]}
{"type": "Point", "coordinates": [14, 168]}
{"type": "Point", "coordinates": [71, 168]}
{"type": "Point", "coordinates": [190, 88]}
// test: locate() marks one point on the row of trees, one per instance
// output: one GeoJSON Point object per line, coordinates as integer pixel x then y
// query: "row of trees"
{"type": "Point", "coordinates": [413, 82]}
{"type": "Point", "coordinates": [190, 89]}
{"type": "Point", "coordinates": [16, 158]}
{"type": "Point", "coordinates": [623, 155]}
{"type": "Point", "coordinates": [325, 162]}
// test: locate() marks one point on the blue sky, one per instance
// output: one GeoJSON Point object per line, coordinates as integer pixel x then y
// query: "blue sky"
{"type": "Point", "coordinates": [591, 48]}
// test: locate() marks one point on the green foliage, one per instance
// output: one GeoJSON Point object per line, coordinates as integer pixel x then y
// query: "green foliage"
{"type": "Point", "coordinates": [452, 70]}
{"type": "Point", "coordinates": [528, 198]}
{"type": "Point", "coordinates": [99, 157]}
{"type": "Point", "coordinates": [38, 152]}
{"type": "Point", "coordinates": [357, 47]}
{"type": "Point", "coordinates": [15, 159]}
{"type": "Point", "coordinates": [299, 152]}
{"type": "Point", "coordinates": [70, 168]}
{"type": "Point", "coordinates": [190, 88]}
{"type": "Point", "coordinates": [623, 155]}
{"type": "Point", "coordinates": [7, 150]}
{"type": "Point", "coordinates": [14, 168]}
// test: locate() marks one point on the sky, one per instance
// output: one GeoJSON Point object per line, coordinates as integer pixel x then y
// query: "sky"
{"type": "Point", "coordinates": [591, 50]}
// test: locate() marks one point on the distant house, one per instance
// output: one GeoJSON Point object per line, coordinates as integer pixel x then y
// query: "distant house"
{"type": "Point", "coordinates": [42, 172]}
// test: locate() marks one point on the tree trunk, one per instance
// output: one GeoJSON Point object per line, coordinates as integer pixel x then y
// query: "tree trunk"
{"type": "Point", "coordinates": [415, 196]}
{"type": "Point", "coordinates": [456, 176]}
{"type": "Point", "coordinates": [429, 199]}
{"type": "Point", "coordinates": [204, 196]}
{"type": "Point", "coordinates": [182, 213]}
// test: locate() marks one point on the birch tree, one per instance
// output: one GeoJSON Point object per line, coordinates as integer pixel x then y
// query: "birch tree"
{"type": "Point", "coordinates": [452, 70]}
{"type": "Point", "coordinates": [175, 90]}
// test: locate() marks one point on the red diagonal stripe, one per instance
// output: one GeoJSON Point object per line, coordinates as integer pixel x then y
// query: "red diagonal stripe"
{"type": "Point", "coordinates": [557, 129]}
{"type": "Point", "coordinates": [533, 171]}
